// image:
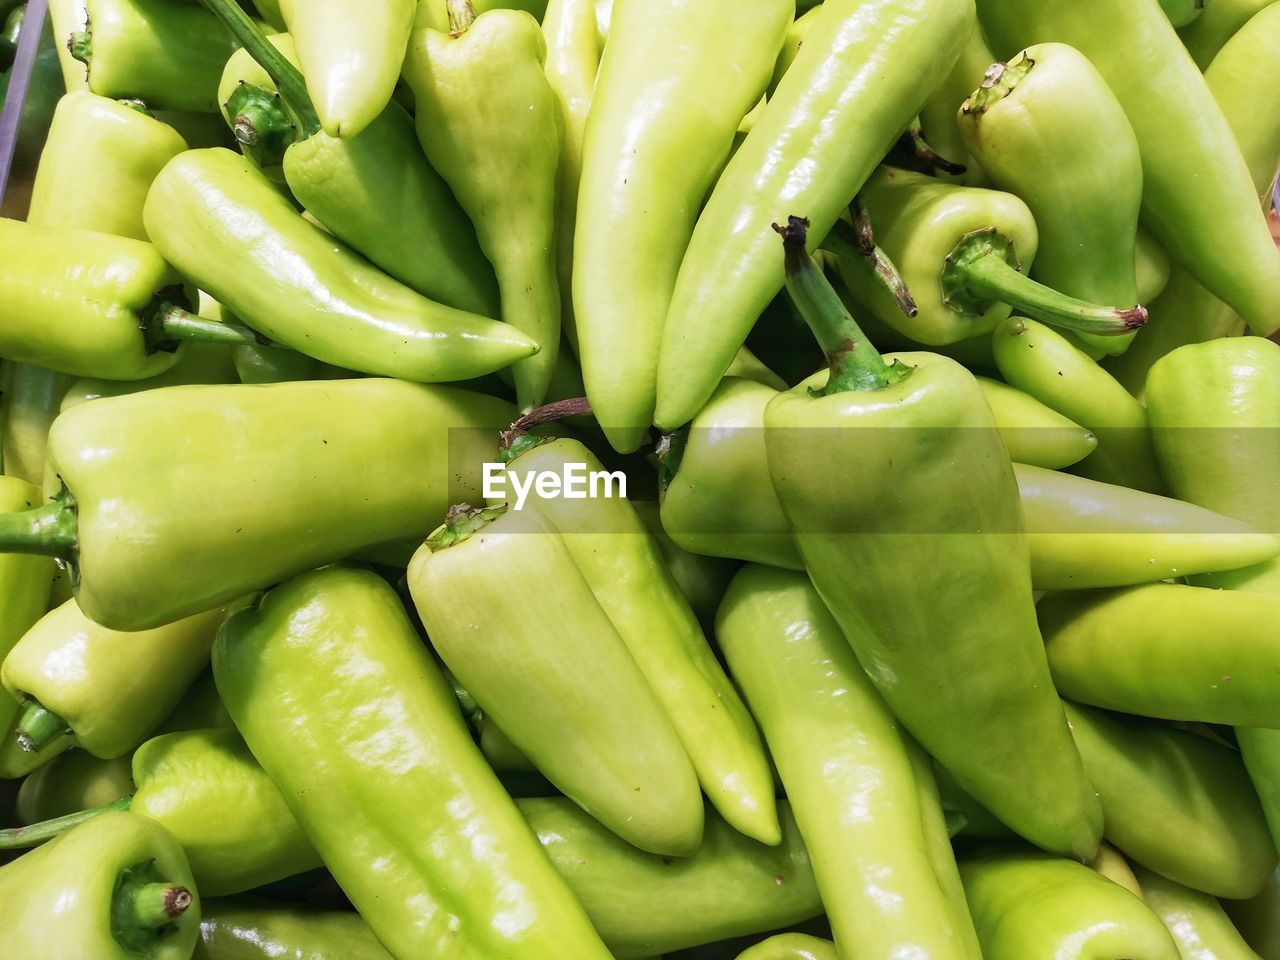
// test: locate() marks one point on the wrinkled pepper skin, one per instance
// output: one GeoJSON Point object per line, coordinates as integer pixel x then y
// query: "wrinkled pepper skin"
{"type": "Point", "coordinates": [1048, 366]}
{"type": "Point", "coordinates": [488, 121]}
{"type": "Point", "coordinates": [351, 52]}
{"type": "Point", "coordinates": [24, 597]}
{"type": "Point", "coordinates": [1047, 128]}
{"type": "Point", "coordinates": [418, 831]}
{"type": "Point", "coordinates": [1028, 905]}
{"type": "Point", "coordinates": [1089, 534]}
{"type": "Point", "coordinates": [111, 688]}
{"type": "Point", "coordinates": [1218, 23]}
{"type": "Point", "coordinates": [1176, 802]}
{"type": "Point", "coordinates": [73, 301]}
{"type": "Point", "coordinates": [879, 539]}
{"type": "Point", "coordinates": [644, 905]}
{"type": "Point", "coordinates": [513, 619]}
{"type": "Point", "coordinates": [863, 73]}
{"type": "Point", "coordinates": [625, 570]}
{"type": "Point", "coordinates": [252, 929]}
{"type": "Point", "coordinates": [62, 899]}
{"type": "Point", "coordinates": [167, 54]}
{"type": "Point", "coordinates": [355, 185]}
{"type": "Point", "coordinates": [222, 225]}
{"type": "Point", "coordinates": [791, 946]}
{"type": "Point", "coordinates": [200, 467]}
{"type": "Point", "coordinates": [1197, 922]}
{"type": "Point", "coordinates": [1214, 231]}
{"type": "Point", "coordinates": [888, 887]}
{"type": "Point", "coordinates": [1167, 650]}
{"type": "Point", "coordinates": [665, 110]}
{"type": "Point", "coordinates": [98, 164]}
{"type": "Point", "coordinates": [75, 781]}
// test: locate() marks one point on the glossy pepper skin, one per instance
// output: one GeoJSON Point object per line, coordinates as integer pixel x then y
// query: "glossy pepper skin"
{"type": "Point", "coordinates": [351, 52]}
{"type": "Point", "coordinates": [223, 226]}
{"type": "Point", "coordinates": [1167, 650]}
{"type": "Point", "coordinates": [644, 905]}
{"type": "Point", "coordinates": [879, 848]}
{"type": "Point", "coordinates": [791, 946]}
{"type": "Point", "coordinates": [1048, 366]}
{"type": "Point", "coordinates": [702, 579]}
{"type": "Point", "coordinates": [418, 831]}
{"type": "Point", "coordinates": [625, 570]}
{"type": "Point", "coordinates": [513, 619]}
{"type": "Point", "coordinates": [1214, 231]}
{"type": "Point", "coordinates": [1089, 534]}
{"type": "Point", "coordinates": [938, 115]}
{"type": "Point", "coordinates": [1029, 905]}
{"type": "Point", "coordinates": [109, 688]}
{"type": "Point", "coordinates": [1199, 925]}
{"type": "Point", "coordinates": [1046, 127]}
{"type": "Point", "coordinates": [356, 185]}
{"type": "Point", "coordinates": [1035, 434]}
{"type": "Point", "coordinates": [112, 889]}
{"type": "Point", "coordinates": [864, 71]}
{"type": "Point", "coordinates": [1176, 802]}
{"type": "Point", "coordinates": [875, 540]}
{"type": "Point", "coordinates": [75, 781]}
{"type": "Point", "coordinates": [200, 468]}
{"type": "Point", "coordinates": [665, 110]}
{"type": "Point", "coordinates": [489, 123]}
{"type": "Point", "coordinates": [169, 55]}
{"type": "Point", "coordinates": [255, 929]}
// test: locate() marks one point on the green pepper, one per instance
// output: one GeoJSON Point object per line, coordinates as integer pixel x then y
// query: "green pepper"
{"type": "Point", "coordinates": [68, 17]}
{"type": "Point", "coordinates": [383, 776]}
{"type": "Point", "coordinates": [1111, 863]}
{"type": "Point", "coordinates": [573, 60]}
{"type": "Point", "coordinates": [623, 568]}
{"type": "Point", "coordinates": [1182, 12]}
{"type": "Point", "coordinates": [1199, 925]}
{"type": "Point", "coordinates": [856, 465]}
{"type": "Point", "coordinates": [1033, 433]}
{"type": "Point", "coordinates": [886, 875]}
{"type": "Point", "coordinates": [75, 781]}
{"type": "Point", "coordinates": [1090, 534]}
{"type": "Point", "coordinates": [168, 54]}
{"type": "Point", "coordinates": [666, 106]}
{"type": "Point", "coordinates": [791, 946]}
{"type": "Point", "coordinates": [199, 709]}
{"type": "Point", "coordinates": [959, 250]}
{"type": "Point", "coordinates": [1258, 919]}
{"type": "Point", "coordinates": [1220, 21]}
{"type": "Point", "coordinates": [351, 52]}
{"type": "Point", "coordinates": [864, 71]}
{"type": "Point", "coordinates": [1167, 650]}
{"type": "Point", "coordinates": [1153, 267]}
{"type": "Point", "coordinates": [355, 186]}
{"type": "Point", "coordinates": [1176, 802]}
{"type": "Point", "coordinates": [574, 701]}
{"type": "Point", "coordinates": [200, 362]}
{"type": "Point", "coordinates": [1215, 231]}
{"type": "Point", "coordinates": [1029, 905]}
{"type": "Point", "coordinates": [1046, 127]}
{"type": "Point", "coordinates": [702, 579]}
{"type": "Point", "coordinates": [938, 124]}
{"type": "Point", "coordinates": [74, 676]}
{"type": "Point", "coordinates": [115, 888]}
{"type": "Point", "coordinates": [233, 478]}
{"type": "Point", "coordinates": [252, 929]}
{"type": "Point", "coordinates": [1245, 82]}
{"type": "Point", "coordinates": [221, 224]}
{"type": "Point", "coordinates": [488, 121]}
{"type": "Point", "coordinates": [1043, 363]}
{"type": "Point", "coordinates": [31, 398]}
{"type": "Point", "coordinates": [644, 904]}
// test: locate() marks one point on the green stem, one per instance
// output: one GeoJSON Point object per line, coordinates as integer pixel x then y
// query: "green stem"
{"type": "Point", "coordinates": [462, 522]}
{"type": "Point", "coordinates": [260, 123]}
{"type": "Point", "coordinates": [80, 45]}
{"type": "Point", "coordinates": [23, 838]}
{"type": "Point", "coordinates": [929, 156]}
{"type": "Point", "coordinates": [287, 78]}
{"type": "Point", "coordinates": [979, 272]}
{"type": "Point", "coordinates": [49, 530]}
{"type": "Point", "coordinates": [165, 325]}
{"type": "Point", "coordinates": [151, 905]}
{"type": "Point", "coordinates": [856, 365]}
{"type": "Point", "coordinates": [38, 726]}
{"type": "Point", "coordinates": [856, 242]}
{"type": "Point", "coordinates": [1000, 80]}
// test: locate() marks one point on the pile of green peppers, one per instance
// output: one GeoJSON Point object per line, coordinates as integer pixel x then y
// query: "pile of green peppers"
{"type": "Point", "coordinates": [687, 479]}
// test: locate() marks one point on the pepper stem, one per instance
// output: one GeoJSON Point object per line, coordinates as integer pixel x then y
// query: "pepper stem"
{"type": "Point", "coordinates": [547, 413]}
{"type": "Point", "coordinates": [856, 365]}
{"type": "Point", "coordinates": [929, 156]}
{"type": "Point", "coordinates": [461, 15]}
{"type": "Point", "coordinates": [287, 78]}
{"type": "Point", "coordinates": [151, 905]}
{"type": "Point", "coordinates": [49, 530]}
{"type": "Point", "coordinates": [164, 325]}
{"type": "Point", "coordinates": [857, 243]}
{"type": "Point", "coordinates": [23, 838]}
{"type": "Point", "coordinates": [462, 522]}
{"type": "Point", "coordinates": [1000, 80]}
{"type": "Point", "coordinates": [260, 123]}
{"type": "Point", "coordinates": [80, 45]}
{"type": "Point", "coordinates": [38, 726]}
{"type": "Point", "coordinates": [983, 269]}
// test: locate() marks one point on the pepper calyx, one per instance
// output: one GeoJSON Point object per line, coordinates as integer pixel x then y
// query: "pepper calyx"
{"type": "Point", "coordinates": [143, 905]}
{"type": "Point", "coordinates": [1000, 80]}
{"type": "Point", "coordinates": [461, 523]}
